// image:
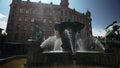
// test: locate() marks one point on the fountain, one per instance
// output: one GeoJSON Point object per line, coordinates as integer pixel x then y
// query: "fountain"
{"type": "Point", "coordinates": [66, 39]}
{"type": "Point", "coordinates": [65, 49]}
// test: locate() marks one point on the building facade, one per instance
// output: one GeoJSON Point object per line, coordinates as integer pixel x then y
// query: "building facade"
{"type": "Point", "coordinates": [24, 14]}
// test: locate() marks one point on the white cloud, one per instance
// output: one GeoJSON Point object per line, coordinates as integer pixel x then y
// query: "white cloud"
{"type": "Point", "coordinates": [98, 32]}
{"type": "Point", "coordinates": [2, 16]}
{"type": "Point", "coordinates": [3, 23]}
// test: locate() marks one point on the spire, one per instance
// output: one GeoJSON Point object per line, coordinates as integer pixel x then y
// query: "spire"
{"type": "Point", "coordinates": [51, 3]}
{"type": "Point", "coordinates": [39, 1]}
{"type": "Point", "coordinates": [28, 0]}
{"type": "Point", "coordinates": [64, 3]}
{"type": "Point", "coordinates": [88, 13]}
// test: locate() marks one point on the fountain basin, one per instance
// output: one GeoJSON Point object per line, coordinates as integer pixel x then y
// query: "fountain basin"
{"type": "Point", "coordinates": [89, 58]}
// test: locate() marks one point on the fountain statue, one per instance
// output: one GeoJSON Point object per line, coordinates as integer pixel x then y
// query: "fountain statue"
{"type": "Point", "coordinates": [37, 35]}
{"type": "Point", "coordinates": [65, 38]}
{"type": "Point", "coordinates": [113, 37]}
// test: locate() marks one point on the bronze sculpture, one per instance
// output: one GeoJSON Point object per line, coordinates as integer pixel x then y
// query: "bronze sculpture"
{"type": "Point", "coordinates": [112, 37]}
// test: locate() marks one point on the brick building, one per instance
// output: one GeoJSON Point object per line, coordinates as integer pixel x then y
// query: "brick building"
{"type": "Point", "coordinates": [24, 14]}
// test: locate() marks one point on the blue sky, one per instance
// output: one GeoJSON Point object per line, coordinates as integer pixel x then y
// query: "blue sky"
{"type": "Point", "coordinates": [103, 11]}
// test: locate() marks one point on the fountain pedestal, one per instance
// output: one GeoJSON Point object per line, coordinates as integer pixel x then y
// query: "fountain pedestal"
{"type": "Point", "coordinates": [65, 59]}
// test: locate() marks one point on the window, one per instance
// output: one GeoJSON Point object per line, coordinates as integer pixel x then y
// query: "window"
{"type": "Point", "coordinates": [39, 19]}
{"type": "Point", "coordinates": [25, 28]}
{"type": "Point", "coordinates": [57, 13]}
{"type": "Point", "coordinates": [44, 29]}
{"type": "Point", "coordinates": [27, 11]}
{"type": "Point", "coordinates": [12, 19]}
{"type": "Point", "coordinates": [89, 23]}
{"type": "Point", "coordinates": [16, 36]}
{"type": "Point", "coordinates": [32, 20]}
{"type": "Point", "coordinates": [31, 28]}
{"type": "Point", "coordinates": [55, 18]}
{"type": "Point", "coordinates": [50, 29]}
{"type": "Point", "coordinates": [21, 10]}
{"type": "Point", "coordinates": [26, 19]}
{"type": "Point", "coordinates": [19, 19]}
{"type": "Point", "coordinates": [56, 22]}
{"type": "Point", "coordinates": [10, 28]}
{"type": "Point", "coordinates": [61, 13]}
{"type": "Point", "coordinates": [51, 13]}
{"type": "Point", "coordinates": [33, 11]}
{"type": "Point", "coordinates": [16, 2]}
{"type": "Point", "coordinates": [50, 21]}
{"type": "Point", "coordinates": [44, 21]}
{"type": "Point", "coordinates": [13, 10]}
{"type": "Point", "coordinates": [88, 17]}
{"type": "Point", "coordinates": [18, 27]}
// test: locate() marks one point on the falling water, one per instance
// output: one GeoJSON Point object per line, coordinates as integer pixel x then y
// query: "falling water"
{"type": "Point", "coordinates": [98, 44]}
{"type": "Point", "coordinates": [54, 43]}
{"type": "Point", "coordinates": [57, 44]}
{"type": "Point", "coordinates": [81, 46]}
{"type": "Point", "coordinates": [70, 40]}
{"type": "Point", "coordinates": [68, 33]}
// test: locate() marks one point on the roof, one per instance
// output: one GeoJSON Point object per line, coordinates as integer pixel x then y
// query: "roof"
{"type": "Point", "coordinates": [43, 4]}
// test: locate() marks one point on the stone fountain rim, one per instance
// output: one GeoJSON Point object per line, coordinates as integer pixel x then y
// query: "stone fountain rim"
{"type": "Point", "coordinates": [76, 52]}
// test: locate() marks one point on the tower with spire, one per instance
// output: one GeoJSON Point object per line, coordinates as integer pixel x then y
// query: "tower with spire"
{"type": "Point", "coordinates": [64, 3]}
